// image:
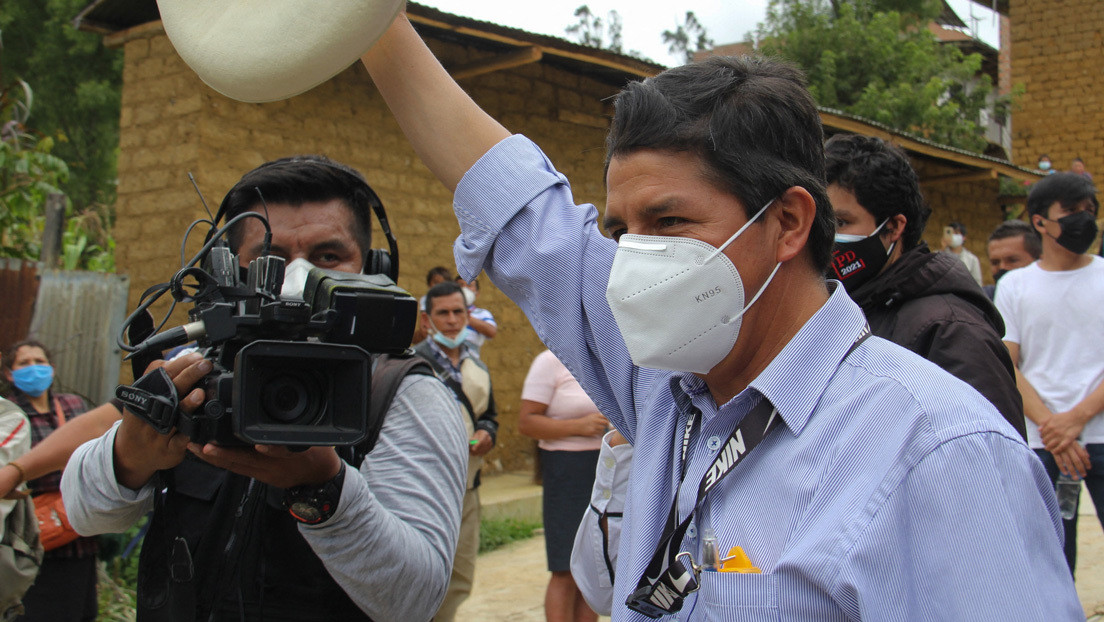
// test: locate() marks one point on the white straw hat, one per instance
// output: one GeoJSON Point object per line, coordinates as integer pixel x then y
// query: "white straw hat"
{"type": "Point", "coordinates": [267, 50]}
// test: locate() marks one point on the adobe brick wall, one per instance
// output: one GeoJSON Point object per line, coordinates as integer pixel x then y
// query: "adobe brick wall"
{"type": "Point", "coordinates": [172, 124]}
{"type": "Point", "coordinates": [970, 203]}
{"type": "Point", "coordinates": [1058, 55]}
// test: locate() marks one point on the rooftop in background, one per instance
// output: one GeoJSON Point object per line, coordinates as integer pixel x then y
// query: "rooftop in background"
{"type": "Point", "coordinates": [514, 47]}
{"type": "Point", "coordinates": [113, 17]}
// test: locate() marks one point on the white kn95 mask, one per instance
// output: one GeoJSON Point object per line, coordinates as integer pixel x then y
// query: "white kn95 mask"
{"type": "Point", "coordinates": [678, 302]}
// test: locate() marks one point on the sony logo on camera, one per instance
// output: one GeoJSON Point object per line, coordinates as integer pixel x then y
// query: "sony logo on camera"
{"type": "Point", "coordinates": [132, 397]}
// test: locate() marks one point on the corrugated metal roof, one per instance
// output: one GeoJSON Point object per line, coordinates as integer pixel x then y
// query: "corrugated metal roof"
{"type": "Point", "coordinates": [978, 160]}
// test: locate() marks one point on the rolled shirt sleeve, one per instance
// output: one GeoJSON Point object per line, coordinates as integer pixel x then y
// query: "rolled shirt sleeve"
{"type": "Point", "coordinates": [594, 556]}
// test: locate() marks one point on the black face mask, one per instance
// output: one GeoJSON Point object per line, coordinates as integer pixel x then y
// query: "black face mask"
{"type": "Point", "coordinates": [856, 262]}
{"type": "Point", "coordinates": [1078, 232]}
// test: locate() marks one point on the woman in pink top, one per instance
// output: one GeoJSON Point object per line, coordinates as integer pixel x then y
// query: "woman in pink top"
{"type": "Point", "coordinates": [569, 429]}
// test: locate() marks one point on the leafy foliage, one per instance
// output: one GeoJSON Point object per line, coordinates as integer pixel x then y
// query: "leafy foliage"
{"type": "Point", "coordinates": [877, 59]}
{"type": "Point", "coordinates": [29, 173]}
{"type": "Point", "coordinates": [78, 82]}
{"type": "Point", "coordinates": [117, 587]}
{"type": "Point", "coordinates": [595, 31]}
{"type": "Point", "coordinates": [687, 38]}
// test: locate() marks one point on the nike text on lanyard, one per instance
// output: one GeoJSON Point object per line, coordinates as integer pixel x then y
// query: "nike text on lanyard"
{"type": "Point", "coordinates": [668, 579]}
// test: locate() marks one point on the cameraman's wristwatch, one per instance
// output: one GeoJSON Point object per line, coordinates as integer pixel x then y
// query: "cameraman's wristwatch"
{"type": "Point", "coordinates": [312, 505]}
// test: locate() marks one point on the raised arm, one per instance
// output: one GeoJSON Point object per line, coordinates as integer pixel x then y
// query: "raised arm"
{"type": "Point", "coordinates": [53, 452]}
{"type": "Point", "coordinates": [447, 129]}
{"type": "Point", "coordinates": [549, 255]}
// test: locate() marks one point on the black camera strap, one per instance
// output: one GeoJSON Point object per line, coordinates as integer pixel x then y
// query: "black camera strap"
{"type": "Point", "coordinates": [667, 580]}
{"type": "Point", "coordinates": [152, 397]}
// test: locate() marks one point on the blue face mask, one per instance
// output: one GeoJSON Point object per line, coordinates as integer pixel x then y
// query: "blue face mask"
{"type": "Point", "coordinates": [33, 379]}
{"type": "Point", "coordinates": [452, 343]}
{"type": "Point", "coordinates": [449, 342]}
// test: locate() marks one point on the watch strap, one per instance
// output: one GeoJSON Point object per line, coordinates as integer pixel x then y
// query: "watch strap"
{"type": "Point", "coordinates": [315, 504]}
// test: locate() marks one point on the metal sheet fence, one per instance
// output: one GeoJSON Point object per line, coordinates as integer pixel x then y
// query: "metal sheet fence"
{"type": "Point", "coordinates": [78, 315]}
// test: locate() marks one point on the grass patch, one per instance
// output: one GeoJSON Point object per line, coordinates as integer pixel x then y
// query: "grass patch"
{"type": "Point", "coordinates": [118, 576]}
{"type": "Point", "coordinates": [494, 534]}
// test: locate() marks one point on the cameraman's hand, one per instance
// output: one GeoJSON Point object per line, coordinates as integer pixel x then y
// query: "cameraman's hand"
{"type": "Point", "coordinates": [275, 465]}
{"type": "Point", "coordinates": [140, 451]}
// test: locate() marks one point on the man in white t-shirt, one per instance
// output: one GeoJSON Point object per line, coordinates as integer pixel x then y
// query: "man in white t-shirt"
{"type": "Point", "coordinates": [1054, 321]}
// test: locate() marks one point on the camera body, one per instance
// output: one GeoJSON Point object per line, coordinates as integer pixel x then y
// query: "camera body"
{"type": "Point", "coordinates": [287, 371]}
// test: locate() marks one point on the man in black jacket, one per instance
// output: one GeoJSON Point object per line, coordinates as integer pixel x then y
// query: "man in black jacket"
{"type": "Point", "coordinates": [926, 302]}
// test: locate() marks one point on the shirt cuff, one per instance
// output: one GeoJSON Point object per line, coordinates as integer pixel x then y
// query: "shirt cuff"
{"type": "Point", "coordinates": [491, 193]}
{"type": "Point", "coordinates": [103, 452]}
{"type": "Point", "coordinates": [611, 478]}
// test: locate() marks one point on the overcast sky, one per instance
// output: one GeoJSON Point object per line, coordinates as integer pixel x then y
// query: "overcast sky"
{"type": "Point", "coordinates": [643, 21]}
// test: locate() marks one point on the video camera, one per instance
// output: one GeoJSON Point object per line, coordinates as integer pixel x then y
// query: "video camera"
{"type": "Point", "coordinates": [287, 371]}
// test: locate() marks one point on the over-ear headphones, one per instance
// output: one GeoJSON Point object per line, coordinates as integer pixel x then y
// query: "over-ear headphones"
{"type": "Point", "coordinates": [376, 261]}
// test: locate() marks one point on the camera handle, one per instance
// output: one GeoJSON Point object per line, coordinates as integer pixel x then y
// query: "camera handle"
{"type": "Point", "coordinates": [153, 398]}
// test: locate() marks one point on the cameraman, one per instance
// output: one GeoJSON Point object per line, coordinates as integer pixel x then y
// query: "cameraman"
{"type": "Point", "coordinates": [221, 545]}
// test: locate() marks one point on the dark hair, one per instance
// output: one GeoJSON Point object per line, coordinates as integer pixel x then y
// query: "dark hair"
{"type": "Point", "coordinates": [749, 119]}
{"type": "Point", "coordinates": [882, 180]}
{"type": "Point", "coordinates": [958, 227]}
{"type": "Point", "coordinates": [1032, 242]}
{"type": "Point", "coordinates": [300, 179]}
{"type": "Point", "coordinates": [440, 290]}
{"type": "Point", "coordinates": [9, 356]}
{"type": "Point", "coordinates": [440, 271]}
{"type": "Point", "coordinates": [1068, 189]}
{"type": "Point", "coordinates": [1078, 160]}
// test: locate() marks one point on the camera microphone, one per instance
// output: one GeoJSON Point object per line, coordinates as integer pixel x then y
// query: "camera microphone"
{"type": "Point", "coordinates": [171, 338]}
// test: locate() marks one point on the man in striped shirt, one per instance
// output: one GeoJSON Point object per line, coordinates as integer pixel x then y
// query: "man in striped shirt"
{"type": "Point", "coordinates": [864, 482]}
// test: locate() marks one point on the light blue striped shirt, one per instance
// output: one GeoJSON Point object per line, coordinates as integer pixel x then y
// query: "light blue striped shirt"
{"type": "Point", "coordinates": [893, 492]}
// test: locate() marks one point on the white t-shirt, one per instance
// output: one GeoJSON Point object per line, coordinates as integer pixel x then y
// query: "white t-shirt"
{"type": "Point", "coordinates": [1057, 318]}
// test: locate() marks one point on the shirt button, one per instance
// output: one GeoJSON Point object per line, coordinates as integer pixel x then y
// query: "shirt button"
{"type": "Point", "coordinates": [714, 443]}
{"type": "Point", "coordinates": [606, 493]}
{"type": "Point", "coordinates": [610, 462]}
{"type": "Point", "coordinates": [691, 531]}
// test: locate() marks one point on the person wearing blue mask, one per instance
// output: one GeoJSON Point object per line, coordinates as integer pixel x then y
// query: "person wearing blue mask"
{"type": "Point", "coordinates": [445, 320]}
{"type": "Point", "coordinates": [924, 301]}
{"type": "Point", "coordinates": [65, 589]}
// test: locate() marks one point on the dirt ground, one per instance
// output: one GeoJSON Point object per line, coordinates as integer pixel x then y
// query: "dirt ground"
{"type": "Point", "coordinates": [510, 582]}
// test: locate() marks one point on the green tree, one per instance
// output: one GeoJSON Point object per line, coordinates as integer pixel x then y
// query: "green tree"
{"type": "Point", "coordinates": [687, 38]}
{"type": "Point", "coordinates": [29, 173]}
{"type": "Point", "coordinates": [78, 83]}
{"type": "Point", "coordinates": [877, 59]}
{"type": "Point", "coordinates": [597, 32]}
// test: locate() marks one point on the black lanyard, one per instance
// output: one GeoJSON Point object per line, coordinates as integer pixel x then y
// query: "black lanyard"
{"type": "Point", "coordinates": [667, 580]}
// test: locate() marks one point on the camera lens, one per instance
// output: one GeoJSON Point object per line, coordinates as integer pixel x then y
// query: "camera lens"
{"type": "Point", "coordinates": [291, 399]}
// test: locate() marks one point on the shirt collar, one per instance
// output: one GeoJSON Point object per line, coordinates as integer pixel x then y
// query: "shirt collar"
{"type": "Point", "coordinates": [795, 380]}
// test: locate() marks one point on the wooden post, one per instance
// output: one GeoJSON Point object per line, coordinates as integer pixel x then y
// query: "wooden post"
{"type": "Point", "coordinates": [51, 234]}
